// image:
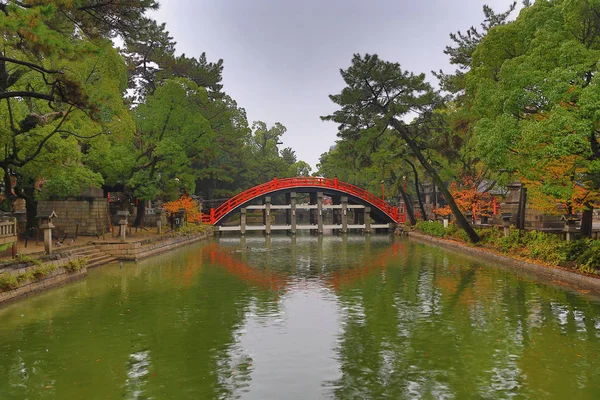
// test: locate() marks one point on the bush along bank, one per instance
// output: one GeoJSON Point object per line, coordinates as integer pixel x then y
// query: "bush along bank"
{"type": "Point", "coordinates": [582, 255]}
{"type": "Point", "coordinates": [27, 275]}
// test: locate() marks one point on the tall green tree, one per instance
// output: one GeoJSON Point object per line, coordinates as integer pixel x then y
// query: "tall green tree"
{"type": "Point", "coordinates": [171, 132]}
{"type": "Point", "coordinates": [45, 79]}
{"type": "Point", "coordinates": [264, 144]}
{"type": "Point", "coordinates": [535, 91]}
{"type": "Point", "coordinates": [461, 53]}
{"type": "Point", "coordinates": [378, 96]}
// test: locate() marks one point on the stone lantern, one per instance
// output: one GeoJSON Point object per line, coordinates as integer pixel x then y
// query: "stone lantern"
{"type": "Point", "coordinates": [506, 217]}
{"type": "Point", "coordinates": [123, 223]}
{"type": "Point", "coordinates": [570, 228]}
{"type": "Point", "coordinates": [159, 212]}
{"type": "Point", "coordinates": [46, 225]}
{"type": "Point", "coordinates": [180, 218]}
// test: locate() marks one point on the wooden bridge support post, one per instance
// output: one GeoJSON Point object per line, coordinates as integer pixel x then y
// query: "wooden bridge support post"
{"type": "Point", "coordinates": [367, 217]}
{"type": "Point", "coordinates": [344, 214]}
{"type": "Point", "coordinates": [292, 212]}
{"type": "Point", "coordinates": [319, 212]}
{"type": "Point", "coordinates": [288, 213]}
{"type": "Point", "coordinates": [267, 215]}
{"type": "Point", "coordinates": [243, 216]}
{"type": "Point", "coordinates": [312, 200]}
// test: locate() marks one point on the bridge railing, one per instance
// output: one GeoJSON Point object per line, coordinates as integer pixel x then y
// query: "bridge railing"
{"type": "Point", "coordinates": [289, 183]}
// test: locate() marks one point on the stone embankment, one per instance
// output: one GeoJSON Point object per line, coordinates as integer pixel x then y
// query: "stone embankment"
{"type": "Point", "coordinates": [37, 272]}
{"type": "Point", "coordinates": [557, 275]}
{"type": "Point", "coordinates": [140, 249]}
{"type": "Point", "coordinates": [27, 278]}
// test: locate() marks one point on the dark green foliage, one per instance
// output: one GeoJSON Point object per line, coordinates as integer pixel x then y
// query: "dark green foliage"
{"type": "Point", "coordinates": [583, 254]}
{"type": "Point", "coordinates": [433, 228]}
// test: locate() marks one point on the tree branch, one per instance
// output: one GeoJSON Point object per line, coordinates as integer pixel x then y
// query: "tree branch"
{"type": "Point", "coordinates": [20, 163]}
{"type": "Point", "coordinates": [36, 95]}
{"type": "Point", "coordinates": [30, 65]}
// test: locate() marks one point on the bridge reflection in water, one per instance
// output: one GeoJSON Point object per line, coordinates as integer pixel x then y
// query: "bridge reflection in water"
{"type": "Point", "coordinates": [233, 254]}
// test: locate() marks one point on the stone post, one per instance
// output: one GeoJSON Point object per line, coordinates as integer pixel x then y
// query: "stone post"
{"type": "Point", "coordinates": [506, 217]}
{"type": "Point", "coordinates": [319, 212]}
{"type": "Point", "coordinates": [243, 216]}
{"type": "Point", "coordinates": [47, 227]}
{"type": "Point", "coordinates": [367, 219]}
{"type": "Point", "coordinates": [344, 214]}
{"type": "Point", "coordinates": [267, 215]}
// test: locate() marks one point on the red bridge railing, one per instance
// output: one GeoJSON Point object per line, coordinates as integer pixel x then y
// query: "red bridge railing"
{"type": "Point", "coordinates": [301, 182]}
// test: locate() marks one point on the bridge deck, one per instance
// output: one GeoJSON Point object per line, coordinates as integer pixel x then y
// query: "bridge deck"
{"type": "Point", "coordinates": [304, 207]}
{"type": "Point", "coordinates": [298, 227]}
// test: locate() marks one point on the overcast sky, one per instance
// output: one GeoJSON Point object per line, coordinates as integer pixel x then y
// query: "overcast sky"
{"type": "Point", "coordinates": [282, 58]}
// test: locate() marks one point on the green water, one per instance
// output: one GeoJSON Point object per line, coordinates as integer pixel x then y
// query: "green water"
{"type": "Point", "coordinates": [306, 318]}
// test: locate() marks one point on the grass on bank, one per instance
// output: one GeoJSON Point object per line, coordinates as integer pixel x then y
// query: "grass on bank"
{"type": "Point", "coordinates": [582, 255]}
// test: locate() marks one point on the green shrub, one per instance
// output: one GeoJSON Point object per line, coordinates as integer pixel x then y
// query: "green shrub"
{"type": "Point", "coordinates": [433, 228]}
{"type": "Point", "coordinates": [489, 235]}
{"type": "Point", "coordinates": [8, 281]}
{"type": "Point", "coordinates": [588, 258]}
{"type": "Point", "coordinates": [42, 272]}
{"type": "Point", "coordinates": [25, 259]}
{"type": "Point", "coordinates": [510, 242]}
{"type": "Point", "coordinates": [191, 227]}
{"type": "Point", "coordinates": [75, 265]}
{"type": "Point", "coordinates": [452, 230]}
{"type": "Point", "coordinates": [27, 276]}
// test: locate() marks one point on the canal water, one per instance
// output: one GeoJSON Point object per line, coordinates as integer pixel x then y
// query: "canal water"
{"type": "Point", "coordinates": [303, 318]}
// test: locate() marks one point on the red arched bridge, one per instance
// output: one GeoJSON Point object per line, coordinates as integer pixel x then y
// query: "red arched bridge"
{"type": "Point", "coordinates": [348, 197]}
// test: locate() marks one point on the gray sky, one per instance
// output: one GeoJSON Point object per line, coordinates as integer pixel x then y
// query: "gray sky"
{"type": "Point", "coordinates": [282, 58]}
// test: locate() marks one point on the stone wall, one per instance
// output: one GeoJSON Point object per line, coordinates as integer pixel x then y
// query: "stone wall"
{"type": "Point", "coordinates": [82, 217]}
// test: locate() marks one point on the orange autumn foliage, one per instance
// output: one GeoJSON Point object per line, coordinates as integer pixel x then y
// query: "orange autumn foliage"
{"type": "Point", "coordinates": [468, 198]}
{"type": "Point", "coordinates": [558, 183]}
{"type": "Point", "coordinates": [190, 206]}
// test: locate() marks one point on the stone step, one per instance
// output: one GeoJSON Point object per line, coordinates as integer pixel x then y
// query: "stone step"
{"type": "Point", "coordinates": [86, 252]}
{"type": "Point", "coordinates": [96, 262]}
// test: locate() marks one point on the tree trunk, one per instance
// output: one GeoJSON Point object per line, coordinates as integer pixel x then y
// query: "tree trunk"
{"type": "Point", "coordinates": [141, 211]}
{"type": "Point", "coordinates": [7, 186]}
{"type": "Point", "coordinates": [522, 207]}
{"type": "Point", "coordinates": [418, 190]}
{"type": "Point", "coordinates": [25, 189]}
{"type": "Point", "coordinates": [587, 221]}
{"type": "Point", "coordinates": [460, 218]}
{"type": "Point", "coordinates": [407, 205]}
{"type": "Point", "coordinates": [30, 207]}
